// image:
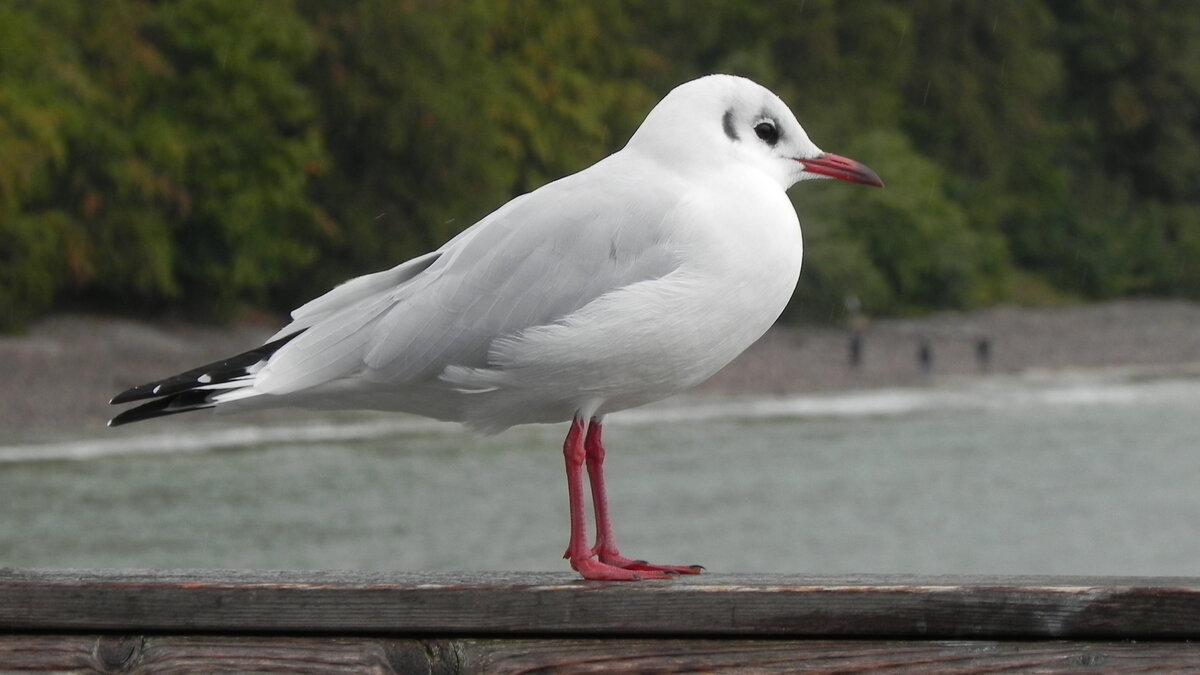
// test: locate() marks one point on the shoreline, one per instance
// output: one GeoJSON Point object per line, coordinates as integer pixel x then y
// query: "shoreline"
{"type": "Point", "coordinates": [1122, 333]}
{"type": "Point", "coordinates": [61, 373]}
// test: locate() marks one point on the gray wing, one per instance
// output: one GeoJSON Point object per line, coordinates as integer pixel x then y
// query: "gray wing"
{"type": "Point", "coordinates": [353, 291]}
{"type": "Point", "coordinates": [533, 262]}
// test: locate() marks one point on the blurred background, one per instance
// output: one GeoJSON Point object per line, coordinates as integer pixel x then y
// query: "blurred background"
{"type": "Point", "coordinates": [988, 366]}
{"type": "Point", "coordinates": [207, 157]}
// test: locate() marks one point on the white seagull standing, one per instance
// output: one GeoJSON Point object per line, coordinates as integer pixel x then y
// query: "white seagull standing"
{"type": "Point", "coordinates": [620, 285]}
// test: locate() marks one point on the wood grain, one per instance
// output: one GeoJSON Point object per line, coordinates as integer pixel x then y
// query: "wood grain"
{"type": "Point", "coordinates": [192, 654]}
{"type": "Point", "coordinates": [544, 604]}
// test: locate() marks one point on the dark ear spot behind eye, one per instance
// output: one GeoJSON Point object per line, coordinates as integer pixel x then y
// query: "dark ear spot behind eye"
{"type": "Point", "coordinates": [767, 131]}
{"type": "Point", "coordinates": [727, 122]}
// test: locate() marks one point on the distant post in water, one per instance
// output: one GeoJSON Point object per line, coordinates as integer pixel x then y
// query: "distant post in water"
{"type": "Point", "coordinates": [925, 357]}
{"type": "Point", "coordinates": [858, 324]}
{"type": "Point", "coordinates": [983, 353]}
{"type": "Point", "coordinates": [855, 348]}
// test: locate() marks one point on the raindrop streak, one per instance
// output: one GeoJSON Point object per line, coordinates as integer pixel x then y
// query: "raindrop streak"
{"type": "Point", "coordinates": [926, 96]}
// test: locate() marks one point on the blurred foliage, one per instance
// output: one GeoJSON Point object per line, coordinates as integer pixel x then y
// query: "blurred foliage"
{"type": "Point", "coordinates": [154, 153]}
{"type": "Point", "coordinates": [218, 155]}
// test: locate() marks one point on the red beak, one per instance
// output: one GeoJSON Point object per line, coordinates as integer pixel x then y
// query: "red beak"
{"type": "Point", "coordinates": [841, 168]}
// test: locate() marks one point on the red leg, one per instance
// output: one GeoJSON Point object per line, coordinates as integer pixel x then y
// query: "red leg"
{"type": "Point", "coordinates": [578, 553]}
{"type": "Point", "coordinates": [606, 543]}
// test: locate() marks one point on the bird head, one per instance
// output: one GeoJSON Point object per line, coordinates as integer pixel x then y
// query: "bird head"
{"type": "Point", "coordinates": [724, 117]}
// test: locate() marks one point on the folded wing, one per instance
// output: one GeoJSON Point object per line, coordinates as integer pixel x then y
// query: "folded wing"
{"type": "Point", "coordinates": [533, 262]}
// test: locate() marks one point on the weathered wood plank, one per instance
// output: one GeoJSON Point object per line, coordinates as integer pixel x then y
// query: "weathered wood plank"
{"type": "Point", "coordinates": [190, 654]}
{"type": "Point", "coordinates": [504, 657]}
{"type": "Point", "coordinates": [551, 603]}
{"type": "Point", "coordinates": [205, 654]}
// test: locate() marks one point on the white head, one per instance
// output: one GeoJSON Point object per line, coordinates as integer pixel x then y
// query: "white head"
{"type": "Point", "coordinates": [726, 118]}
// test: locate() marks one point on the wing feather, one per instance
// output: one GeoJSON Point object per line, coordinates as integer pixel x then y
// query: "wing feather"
{"type": "Point", "coordinates": [354, 290]}
{"type": "Point", "coordinates": [533, 262]}
{"type": "Point", "coordinates": [556, 252]}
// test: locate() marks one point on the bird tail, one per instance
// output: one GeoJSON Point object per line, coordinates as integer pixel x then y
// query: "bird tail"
{"type": "Point", "coordinates": [197, 388]}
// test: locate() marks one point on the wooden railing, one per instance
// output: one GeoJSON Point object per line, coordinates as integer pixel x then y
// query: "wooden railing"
{"type": "Point", "coordinates": [203, 621]}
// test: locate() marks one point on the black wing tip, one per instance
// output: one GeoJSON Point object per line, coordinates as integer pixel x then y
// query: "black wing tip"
{"type": "Point", "coordinates": [174, 404]}
{"type": "Point", "coordinates": [138, 393]}
{"type": "Point", "coordinates": [171, 385]}
{"type": "Point", "coordinates": [179, 393]}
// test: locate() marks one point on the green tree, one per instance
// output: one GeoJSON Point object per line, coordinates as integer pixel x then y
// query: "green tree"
{"type": "Point", "coordinates": [201, 153]}
{"type": "Point", "coordinates": [167, 151]}
{"type": "Point", "coordinates": [1133, 101]}
{"type": "Point", "coordinates": [437, 112]}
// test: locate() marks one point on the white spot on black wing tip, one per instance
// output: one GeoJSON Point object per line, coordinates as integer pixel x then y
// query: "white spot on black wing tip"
{"type": "Point", "coordinates": [157, 389]}
{"type": "Point", "coordinates": [204, 379]}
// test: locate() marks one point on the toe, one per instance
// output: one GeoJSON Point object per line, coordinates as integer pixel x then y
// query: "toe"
{"type": "Point", "coordinates": [643, 566]}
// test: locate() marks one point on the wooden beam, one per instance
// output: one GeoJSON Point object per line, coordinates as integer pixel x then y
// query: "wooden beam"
{"type": "Point", "coordinates": [491, 656]}
{"type": "Point", "coordinates": [560, 604]}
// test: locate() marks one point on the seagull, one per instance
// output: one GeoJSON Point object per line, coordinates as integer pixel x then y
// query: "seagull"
{"type": "Point", "coordinates": [622, 284]}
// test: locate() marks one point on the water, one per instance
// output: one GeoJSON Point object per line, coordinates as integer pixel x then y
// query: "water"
{"type": "Point", "coordinates": [1092, 473]}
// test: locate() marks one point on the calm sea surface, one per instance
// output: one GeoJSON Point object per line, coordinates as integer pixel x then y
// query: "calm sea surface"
{"type": "Point", "coordinates": [1085, 473]}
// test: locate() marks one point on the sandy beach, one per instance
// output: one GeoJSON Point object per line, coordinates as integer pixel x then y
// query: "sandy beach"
{"type": "Point", "coordinates": [60, 374]}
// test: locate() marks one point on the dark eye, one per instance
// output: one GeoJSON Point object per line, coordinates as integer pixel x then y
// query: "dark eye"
{"type": "Point", "coordinates": [767, 132]}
